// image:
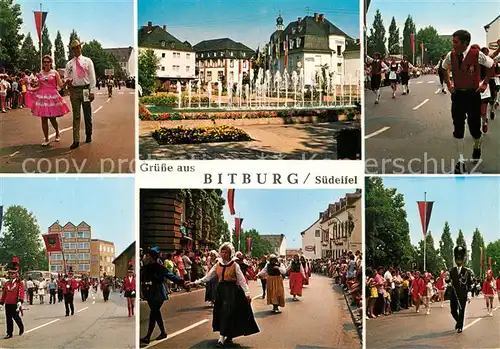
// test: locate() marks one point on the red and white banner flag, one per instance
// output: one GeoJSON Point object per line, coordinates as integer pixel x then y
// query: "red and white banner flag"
{"type": "Point", "coordinates": [230, 201]}
{"type": "Point", "coordinates": [237, 227]}
{"type": "Point", "coordinates": [40, 17]}
{"type": "Point", "coordinates": [412, 42]}
{"type": "Point", "coordinates": [425, 209]}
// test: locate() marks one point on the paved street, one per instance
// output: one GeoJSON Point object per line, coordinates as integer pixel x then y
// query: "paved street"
{"type": "Point", "coordinates": [407, 329]}
{"type": "Point", "coordinates": [113, 141]}
{"type": "Point", "coordinates": [94, 325]}
{"type": "Point", "coordinates": [319, 320]}
{"type": "Point", "coordinates": [413, 133]}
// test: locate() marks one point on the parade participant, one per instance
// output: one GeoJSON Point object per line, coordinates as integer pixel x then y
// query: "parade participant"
{"type": "Point", "coordinates": [45, 101]}
{"type": "Point", "coordinates": [13, 298]}
{"type": "Point", "coordinates": [41, 290]}
{"type": "Point", "coordinates": [441, 287]}
{"type": "Point", "coordinates": [305, 267]}
{"type": "Point", "coordinates": [80, 77]}
{"type": "Point", "coordinates": [418, 289]}
{"type": "Point", "coordinates": [211, 288]}
{"type": "Point", "coordinates": [52, 291]}
{"type": "Point", "coordinates": [296, 275]}
{"type": "Point", "coordinates": [488, 290]}
{"type": "Point", "coordinates": [263, 279]}
{"type": "Point", "coordinates": [498, 286]}
{"type": "Point", "coordinates": [153, 276]}
{"type": "Point", "coordinates": [275, 290]}
{"type": "Point", "coordinates": [377, 67]}
{"type": "Point", "coordinates": [495, 81]}
{"type": "Point", "coordinates": [245, 268]}
{"type": "Point", "coordinates": [129, 288]}
{"type": "Point", "coordinates": [60, 292]}
{"type": "Point", "coordinates": [486, 95]}
{"type": "Point", "coordinates": [84, 288]}
{"type": "Point", "coordinates": [461, 286]}
{"type": "Point", "coordinates": [428, 291]}
{"type": "Point", "coordinates": [110, 84]}
{"type": "Point", "coordinates": [232, 314]}
{"type": "Point", "coordinates": [69, 286]}
{"type": "Point", "coordinates": [464, 62]}
{"type": "Point", "coordinates": [441, 73]}
{"type": "Point", "coordinates": [405, 74]}
{"type": "Point", "coordinates": [105, 284]}
{"type": "Point", "coordinates": [394, 70]}
{"type": "Point", "coordinates": [30, 287]}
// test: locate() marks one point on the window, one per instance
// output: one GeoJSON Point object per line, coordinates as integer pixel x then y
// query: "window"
{"type": "Point", "coordinates": [317, 233]}
{"type": "Point", "coordinates": [209, 75]}
{"type": "Point", "coordinates": [69, 234]}
{"type": "Point", "coordinates": [84, 267]}
{"type": "Point", "coordinates": [56, 257]}
{"type": "Point", "coordinates": [188, 55]}
{"type": "Point", "coordinates": [55, 268]}
{"type": "Point", "coordinates": [70, 257]}
{"type": "Point", "coordinates": [339, 51]}
{"type": "Point", "coordinates": [162, 68]}
{"type": "Point", "coordinates": [83, 256]}
{"type": "Point", "coordinates": [83, 234]}
{"type": "Point", "coordinates": [94, 258]}
{"type": "Point", "coordinates": [232, 75]}
{"type": "Point", "coordinates": [244, 64]}
{"type": "Point", "coordinates": [232, 54]}
{"type": "Point", "coordinates": [339, 68]}
{"type": "Point", "coordinates": [232, 64]}
{"type": "Point", "coordinates": [83, 245]}
{"type": "Point", "coordinates": [187, 69]}
{"type": "Point", "coordinates": [163, 55]}
{"type": "Point", "coordinates": [70, 246]}
{"type": "Point", "coordinates": [163, 43]}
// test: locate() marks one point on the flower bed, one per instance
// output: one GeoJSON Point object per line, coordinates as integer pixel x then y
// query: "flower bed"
{"type": "Point", "coordinates": [195, 135]}
{"type": "Point", "coordinates": [170, 100]}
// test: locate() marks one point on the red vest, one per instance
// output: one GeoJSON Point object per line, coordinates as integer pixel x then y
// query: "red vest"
{"type": "Point", "coordinates": [376, 67]}
{"type": "Point", "coordinates": [468, 76]}
{"type": "Point", "coordinates": [404, 66]}
{"type": "Point", "coordinates": [73, 285]}
{"type": "Point", "coordinates": [128, 285]}
{"type": "Point", "coordinates": [12, 292]}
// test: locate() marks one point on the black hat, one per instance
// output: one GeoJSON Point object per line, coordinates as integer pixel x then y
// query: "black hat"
{"type": "Point", "coordinates": [460, 253]}
{"type": "Point", "coordinates": [70, 270]}
{"type": "Point", "coordinates": [131, 266]}
{"type": "Point", "coordinates": [14, 266]}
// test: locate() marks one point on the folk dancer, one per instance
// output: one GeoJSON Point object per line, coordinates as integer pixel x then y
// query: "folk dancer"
{"type": "Point", "coordinates": [80, 77]}
{"type": "Point", "coordinates": [489, 288]}
{"type": "Point", "coordinates": [441, 73]}
{"type": "Point", "coordinates": [211, 288]}
{"type": "Point", "coordinates": [245, 267]}
{"type": "Point", "coordinates": [441, 287]}
{"type": "Point", "coordinates": [263, 280]}
{"type": "Point", "coordinates": [405, 74]}
{"type": "Point", "coordinates": [464, 62]}
{"type": "Point", "coordinates": [461, 287]}
{"type": "Point", "coordinates": [275, 290]}
{"type": "Point", "coordinates": [377, 66]}
{"type": "Point", "coordinates": [129, 288]}
{"type": "Point", "coordinates": [495, 81]}
{"type": "Point", "coordinates": [296, 275]}
{"type": "Point", "coordinates": [486, 96]}
{"type": "Point", "coordinates": [232, 315]}
{"type": "Point", "coordinates": [69, 285]}
{"type": "Point", "coordinates": [153, 276]}
{"type": "Point", "coordinates": [307, 271]}
{"type": "Point", "coordinates": [394, 70]}
{"type": "Point", "coordinates": [12, 299]}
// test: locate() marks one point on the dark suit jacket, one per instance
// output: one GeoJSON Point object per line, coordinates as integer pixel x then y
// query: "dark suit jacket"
{"type": "Point", "coordinates": [463, 282]}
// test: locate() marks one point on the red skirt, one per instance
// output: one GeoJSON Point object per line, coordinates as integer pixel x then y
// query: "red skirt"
{"type": "Point", "coordinates": [296, 280]}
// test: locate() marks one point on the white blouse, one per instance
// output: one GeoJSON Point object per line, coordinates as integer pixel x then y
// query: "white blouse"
{"type": "Point", "coordinates": [240, 278]}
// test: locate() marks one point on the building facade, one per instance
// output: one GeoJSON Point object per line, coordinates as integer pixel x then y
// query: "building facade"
{"type": "Point", "coordinates": [76, 241]}
{"type": "Point", "coordinates": [493, 33]}
{"type": "Point", "coordinates": [311, 241]}
{"type": "Point", "coordinates": [222, 60]}
{"type": "Point", "coordinates": [176, 59]}
{"type": "Point", "coordinates": [278, 243]}
{"type": "Point", "coordinates": [102, 257]}
{"type": "Point", "coordinates": [311, 43]}
{"type": "Point", "coordinates": [122, 261]}
{"type": "Point", "coordinates": [126, 59]}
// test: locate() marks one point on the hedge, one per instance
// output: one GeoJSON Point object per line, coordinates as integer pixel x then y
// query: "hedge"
{"type": "Point", "coordinates": [196, 135]}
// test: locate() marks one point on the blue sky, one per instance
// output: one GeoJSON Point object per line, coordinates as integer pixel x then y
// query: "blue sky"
{"type": "Point", "coordinates": [107, 205]}
{"type": "Point", "coordinates": [248, 21]}
{"type": "Point", "coordinates": [281, 211]}
{"type": "Point", "coordinates": [441, 14]}
{"type": "Point", "coordinates": [111, 22]}
{"type": "Point", "coordinates": [466, 203]}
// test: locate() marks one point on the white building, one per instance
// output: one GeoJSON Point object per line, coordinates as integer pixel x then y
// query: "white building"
{"type": "Point", "coordinates": [310, 44]}
{"type": "Point", "coordinates": [493, 33]}
{"type": "Point", "coordinates": [278, 242]}
{"type": "Point", "coordinates": [311, 241]}
{"type": "Point", "coordinates": [126, 59]}
{"type": "Point", "coordinates": [222, 60]}
{"type": "Point", "coordinates": [176, 59]}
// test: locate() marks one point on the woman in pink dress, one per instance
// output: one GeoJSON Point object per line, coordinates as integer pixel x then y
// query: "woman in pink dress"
{"type": "Point", "coordinates": [44, 99]}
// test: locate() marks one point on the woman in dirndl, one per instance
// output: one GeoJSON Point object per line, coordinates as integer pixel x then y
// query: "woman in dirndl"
{"type": "Point", "coordinates": [232, 315]}
{"type": "Point", "coordinates": [296, 274]}
{"type": "Point", "coordinates": [275, 289]}
{"type": "Point", "coordinates": [129, 288]}
{"type": "Point", "coordinates": [305, 266]}
{"type": "Point", "coordinates": [394, 70]}
{"type": "Point", "coordinates": [211, 288]}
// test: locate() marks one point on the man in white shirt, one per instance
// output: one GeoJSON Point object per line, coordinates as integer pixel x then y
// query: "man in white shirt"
{"type": "Point", "coordinates": [80, 77]}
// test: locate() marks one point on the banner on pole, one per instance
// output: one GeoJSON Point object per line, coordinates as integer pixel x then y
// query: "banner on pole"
{"type": "Point", "coordinates": [230, 201]}
{"type": "Point", "coordinates": [52, 242]}
{"type": "Point", "coordinates": [249, 245]}
{"type": "Point", "coordinates": [412, 42]}
{"type": "Point", "coordinates": [425, 209]}
{"type": "Point", "coordinates": [40, 17]}
{"type": "Point", "coordinates": [237, 227]}
{"type": "Point", "coordinates": [422, 47]}
{"type": "Point", "coordinates": [489, 264]}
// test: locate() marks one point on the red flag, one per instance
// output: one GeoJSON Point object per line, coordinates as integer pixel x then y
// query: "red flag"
{"type": "Point", "coordinates": [489, 264]}
{"type": "Point", "coordinates": [40, 17]}
{"type": "Point", "coordinates": [412, 42]}
{"type": "Point", "coordinates": [425, 209]}
{"type": "Point", "coordinates": [421, 47]}
{"type": "Point", "coordinates": [237, 227]}
{"type": "Point", "coordinates": [249, 245]}
{"type": "Point", "coordinates": [230, 201]}
{"type": "Point", "coordinates": [52, 242]}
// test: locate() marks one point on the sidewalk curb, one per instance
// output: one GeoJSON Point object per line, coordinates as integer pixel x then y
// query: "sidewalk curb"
{"type": "Point", "coordinates": [359, 329]}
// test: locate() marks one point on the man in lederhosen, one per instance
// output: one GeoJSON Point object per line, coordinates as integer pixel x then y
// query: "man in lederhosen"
{"type": "Point", "coordinates": [441, 74]}
{"type": "Point", "coordinates": [13, 297]}
{"type": "Point", "coordinates": [405, 74]}
{"type": "Point", "coordinates": [378, 66]}
{"type": "Point", "coordinates": [465, 63]}
{"type": "Point", "coordinates": [461, 286]}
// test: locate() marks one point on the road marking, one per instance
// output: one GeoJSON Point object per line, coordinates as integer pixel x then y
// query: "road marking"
{"type": "Point", "coordinates": [477, 320]}
{"type": "Point", "coordinates": [437, 91]}
{"type": "Point", "coordinates": [121, 93]}
{"type": "Point", "coordinates": [108, 100]}
{"type": "Point", "coordinates": [82, 309]}
{"type": "Point", "coordinates": [185, 293]}
{"type": "Point", "coordinates": [98, 109]}
{"type": "Point", "coordinates": [421, 104]}
{"type": "Point", "coordinates": [383, 129]}
{"type": "Point", "coordinates": [259, 296]}
{"type": "Point", "coordinates": [420, 82]}
{"type": "Point", "coordinates": [52, 135]}
{"type": "Point", "coordinates": [48, 323]}
{"type": "Point", "coordinates": [430, 82]}
{"type": "Point", "coordinates": [132, 93]}
{"type": "Point", "coordinates": [178, 333]}
{"type": "Point", "coordinates": [14, 153]}
{"type": "Point", "coordinates": [93, 302]}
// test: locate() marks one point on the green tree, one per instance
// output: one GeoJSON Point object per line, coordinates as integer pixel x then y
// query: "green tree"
{"type": "Point", "coordinates": [102, 60]}
{"type": "Point", "coordinates": [493, 251]}
{"type": "Point", "coordinates": [72, 36]}
{"type": "Point", "coordinates": [148, 65]}
{"type": "Point", "coordinates": [21, 238]}
{"type": "Point", "coordinates": [377, 39]}
{"type": "Point", "coordinates": [476, 246]}
{"type": "Point", "coordinates": [387, 230]}
{"type": "Point", "coordinates": [46, 43]}
{"type": "Point", "coordinates": [409, 29]}
{"type": "Point", "coordinates": [461, 239]}
{"type": "Point", "coordinates": [260, 246]}
{"type": "Point", "coordinates": [59, 52]}
{"type": "Point", "coordinates": [30, 58]}
{"type": "Point", "coordinates": [433, 260]}
{"type": "Point", "coordinates": [433, 44]}
{"type": "Point", "coordinates": [10, 27]}
{"type": "Point", "coordinates": [114, 64]}
{"type": "Point", "coordinates": [446, 246]}
{"type": "Point", "coordinates": [393, 43]}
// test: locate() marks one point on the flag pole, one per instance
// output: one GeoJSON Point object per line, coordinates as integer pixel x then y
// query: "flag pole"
{"type": "Point", "coordinates": [41, 56]}
{"type": "Point", "coordinates": [425, 225]}
{"type": "Point", "coordinates": [239, 234]}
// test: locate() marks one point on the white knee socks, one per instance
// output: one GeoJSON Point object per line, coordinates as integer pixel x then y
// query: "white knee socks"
{"type": "Point", "coordinates": [459, 143]}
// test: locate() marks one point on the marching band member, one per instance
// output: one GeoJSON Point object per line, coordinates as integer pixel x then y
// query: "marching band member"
{"type": "Point", "coordinates": [418, 288]}
{"type": "Point", "coordinates": [13, 298]}
{"type": "Point", "coordinates": [489, 291]}
{"type": "Point", "coordinates": [441, 287]}
{"type": "Point", "coordinates": [69, 286]}
{"type": "Point", "coordinates": [129, 288]}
